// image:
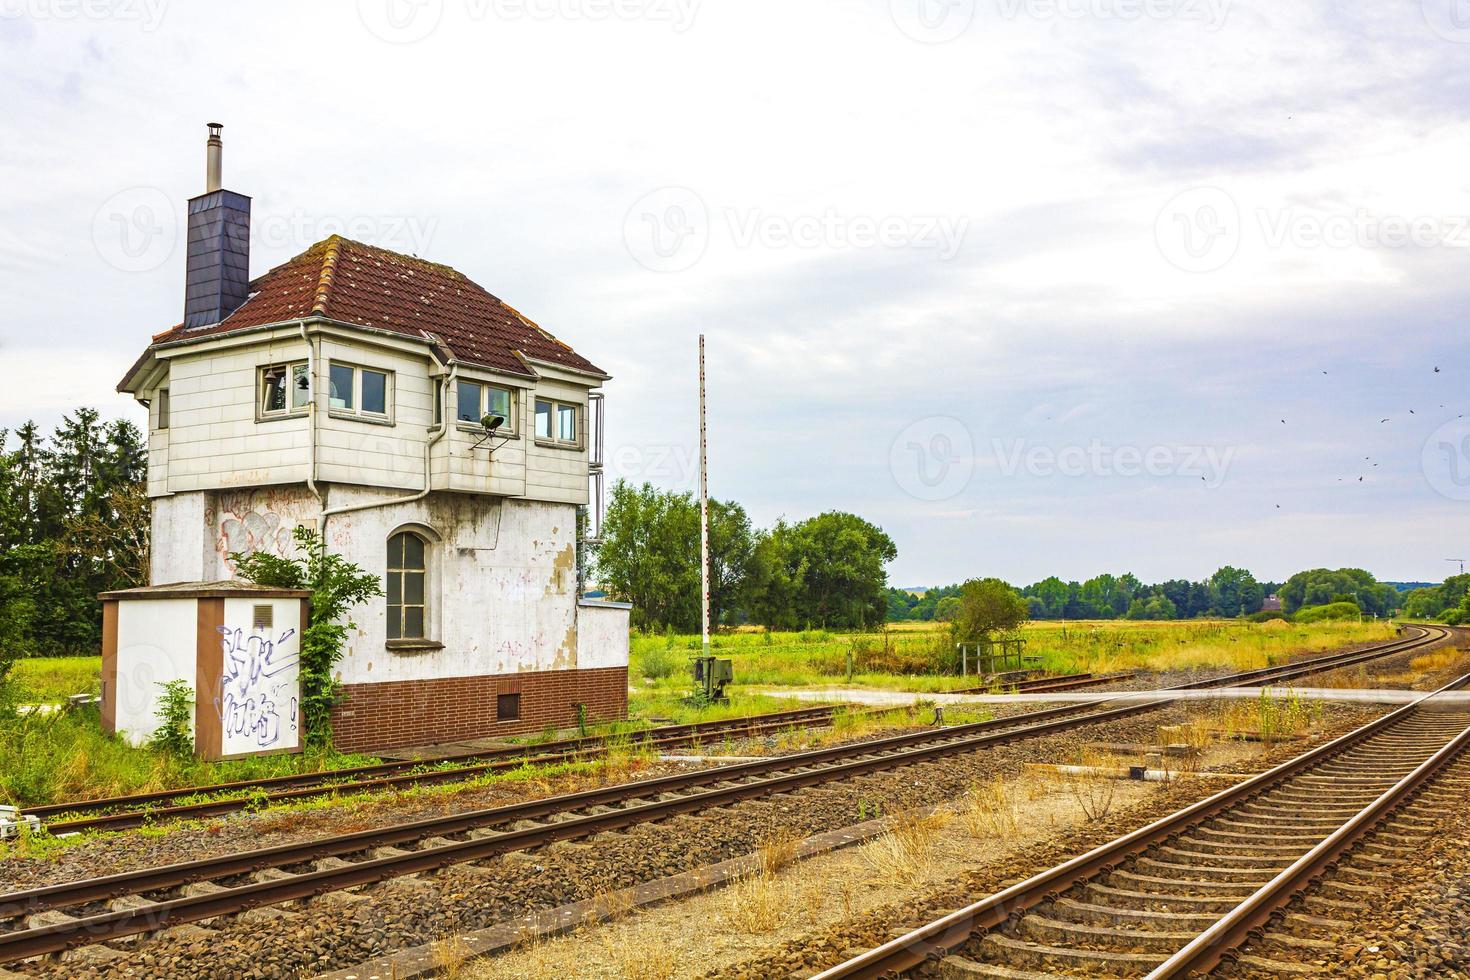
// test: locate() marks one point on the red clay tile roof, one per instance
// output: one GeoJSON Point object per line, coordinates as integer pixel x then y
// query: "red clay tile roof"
{"type": "Point", "coordinates": [350, 282]}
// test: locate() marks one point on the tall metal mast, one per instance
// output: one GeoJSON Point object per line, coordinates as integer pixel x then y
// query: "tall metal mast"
{"type": "Point", "coordinates": [703, 512]}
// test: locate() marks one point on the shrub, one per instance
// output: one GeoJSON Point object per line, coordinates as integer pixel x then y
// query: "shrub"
{"type": "Point", "coordinates": [1452, 617]}
{"type": "Point", "coordinates": [658, 663]}
{"type": "Point", "coordinates": [1332, 610]}
{"type": "Point", "coordinates": [1265, 616]}
{"type": "Point", "coordinates": [175, 713]}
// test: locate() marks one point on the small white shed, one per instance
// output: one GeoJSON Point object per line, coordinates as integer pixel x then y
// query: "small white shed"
{"type": "Point", "coordinates": [236, 644]}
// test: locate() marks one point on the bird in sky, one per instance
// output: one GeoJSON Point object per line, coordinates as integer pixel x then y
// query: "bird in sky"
{"type": "Point", "coordinates": [1411, 411]}
{"type": "Point", "coordinates": [1381, 421]}
{"type": "Point", "coordinates": [1436, 369]}
{"type": "Point", "coordinates": [1360, 479]}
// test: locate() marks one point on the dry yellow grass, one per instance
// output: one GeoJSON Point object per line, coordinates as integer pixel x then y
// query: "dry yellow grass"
{"type": "Point", "coordinates": [990, 810]}
{"type": "Point", "coordinates": [904, 851]}
{"type": "Point", "coordinates": [450, 953]}
{"type": "Point", "coordinates": [777, 849]}
{"type": "Point", "coordinates": [758, 902]}
{"type": "Point", "coordinates": [1093, 788]}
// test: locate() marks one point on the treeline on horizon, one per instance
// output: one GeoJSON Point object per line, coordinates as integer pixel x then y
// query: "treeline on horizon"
{"type": "Point", "coordinates": [1229, 593]}
{"type": "Point", "coordinates": [74, 521]}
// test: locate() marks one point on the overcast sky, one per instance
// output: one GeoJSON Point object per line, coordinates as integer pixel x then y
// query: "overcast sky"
{"type": "Point", "coordinates": [1039, 286]}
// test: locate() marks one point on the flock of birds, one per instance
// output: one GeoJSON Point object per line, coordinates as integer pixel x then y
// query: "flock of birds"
{"type": "Point", "coordinates": [1369, 459]}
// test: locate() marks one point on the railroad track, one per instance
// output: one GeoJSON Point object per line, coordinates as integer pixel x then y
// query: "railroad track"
{"type": "Point", "coordinates": [1176, 897]}
{"type": "Point", "coordinates": [1042, 684]}
{"type": "Point", "coordinates": [124, 812]}
{"type": "Point", "coordinates": [192, 802]}
{"type": "Point", "coordinates": [54, 918]}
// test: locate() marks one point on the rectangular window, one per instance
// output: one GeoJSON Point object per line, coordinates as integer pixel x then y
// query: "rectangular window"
{"type": "Point", "coordinates": [469, 402]}
{"type": "Point", "coordinates": [359, 391]}
{"type": "Point", "coordinates": [507, 707]}
{"type": "Point", "coordinates": [342, 380]}
{"type": "Point", "coordinates": [497, 402]}
{"type": "Point", "coordinates": [284, 389]}
{"type": "Point", "coordinates": [556, 423]}
{"type": "Point", "coordinates": [374, 392]}
{"type": "Point", "coordinates": [477, 400]}
{"type": "Point", "coordinates": [162, 400]}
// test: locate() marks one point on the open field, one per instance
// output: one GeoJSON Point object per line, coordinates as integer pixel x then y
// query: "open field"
{"type": "Point", "coordinates": [921, 657]}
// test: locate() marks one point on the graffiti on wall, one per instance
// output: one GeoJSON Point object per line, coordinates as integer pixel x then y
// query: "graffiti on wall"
{"type": "Point", "coordinates": [257, 520]}
{"type": "Point", "coordinates": [258, 693]}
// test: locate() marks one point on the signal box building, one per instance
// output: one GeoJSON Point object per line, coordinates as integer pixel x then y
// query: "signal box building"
{"type": "Point", "coordinates": [433, 434]}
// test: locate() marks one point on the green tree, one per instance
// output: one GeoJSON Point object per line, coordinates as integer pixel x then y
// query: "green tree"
{"type": "Point", "coordinates": [1234, 592]}
{"type": "Point", "coordinates": [843, 561]}
{"type": "Point", "coordinates": [649, 556]}
{"type": "Point", "coordinates": [947, 609]}
{"type": "Point", "coordinates": [987, 606]}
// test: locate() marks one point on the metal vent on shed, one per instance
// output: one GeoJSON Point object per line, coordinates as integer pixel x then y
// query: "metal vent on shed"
{"type": "Point", "coordinates": [262, 618]}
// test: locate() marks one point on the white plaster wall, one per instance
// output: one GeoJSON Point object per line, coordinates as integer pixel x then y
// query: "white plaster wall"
{"type": "Point", "coordinates": [502, 573]}
{"type": "Point", "coordinates": [502, 580]}
{"type": "Point", "coordinates": [180, 550]}
{"type": "Point", "coordinates": [602, 635]}
{"type": "Point", "coordinates": [258, 698]}
{"type": "Point", "coordinates": [155, 644]}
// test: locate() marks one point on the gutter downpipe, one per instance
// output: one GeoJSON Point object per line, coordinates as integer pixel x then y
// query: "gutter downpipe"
{"type": "Point", "coordinates": [443, 396]}
{"type": "Point", "coordinates": [311, 360]}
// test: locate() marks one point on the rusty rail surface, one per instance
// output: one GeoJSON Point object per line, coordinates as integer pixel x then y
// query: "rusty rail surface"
{"type": "Point", "coordinates": [945, 935]}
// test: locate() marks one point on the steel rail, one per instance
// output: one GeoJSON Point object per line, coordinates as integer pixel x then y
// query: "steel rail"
{"type": "Point", "coordinates": [944, 935]}
{"type": "Point", "coordinates": [837, 763]}
{"type": "Point", "coordinates": [23, 944]}
{"type": "Point", "coordinates": [568, 746]}
{"type": "Point", "coordinates": [1207, 949]}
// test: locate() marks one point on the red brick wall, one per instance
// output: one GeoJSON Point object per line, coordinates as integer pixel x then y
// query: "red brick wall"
{"type": "Point", "coordinates": [397, 713]}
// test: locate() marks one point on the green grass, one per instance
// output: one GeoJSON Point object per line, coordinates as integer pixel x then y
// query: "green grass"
{"type": "Point", "coordinates": [921, 657]}
{"type": "Point", "coordinates": [48, 680]}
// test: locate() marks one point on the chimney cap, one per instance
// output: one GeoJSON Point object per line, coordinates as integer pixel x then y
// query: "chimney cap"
{"type": "Point", "coordinates": [214, 128]}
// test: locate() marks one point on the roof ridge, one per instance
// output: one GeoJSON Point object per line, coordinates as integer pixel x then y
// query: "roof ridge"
{"type": "Point", "coordinates": [324, 278]}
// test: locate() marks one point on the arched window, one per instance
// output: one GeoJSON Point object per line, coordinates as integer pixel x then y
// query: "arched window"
{"type": "Point", "coordinates": [407, 586]}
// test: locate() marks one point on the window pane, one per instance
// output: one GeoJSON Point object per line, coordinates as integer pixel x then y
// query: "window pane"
{"type": "Point", "coordinates": [497, 402]}
{"type": "Point", "coordinates": [163, 408]}
{"type": "Point", "coordinates": [469, 402]}
{"type": "Point", "coordinates": [413, 551]}
{"type": "Point", "coordinates": [395, 551]}
{"type": "Point", "coordinates": [413, 622]}
{"type": "Point", "coordinates": [375, 392]}
{"type": "Point", "coordinates": [413, 588]}
{"type": "Point", "coordinates": [395, 621]}
{"type": "Point", "coordinates": [395, 589]}
{"type": "Point", "coordinates": [566, 423]}
{"type": "Point", "coordinates": [274, 394]}
{"type": "Point", "coordinates": [543, 420]}
{"type": "Point", "coordinates": [341, 386]}
{"type": "Point", "coordinates": [300, 387]}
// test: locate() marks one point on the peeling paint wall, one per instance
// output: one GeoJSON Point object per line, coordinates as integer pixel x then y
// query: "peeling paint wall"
{"type": "Point", "coordinates": [502, 578]}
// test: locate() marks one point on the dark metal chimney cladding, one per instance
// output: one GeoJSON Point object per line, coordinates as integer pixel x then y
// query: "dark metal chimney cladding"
{"type": "Point", "coordinates": [217, 276]}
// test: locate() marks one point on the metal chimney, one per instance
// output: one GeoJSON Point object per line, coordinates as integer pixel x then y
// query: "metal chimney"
{"type": "Point", "coordinates": [215, 163]}
{"type": "Point", "coordinates": [217, 270]}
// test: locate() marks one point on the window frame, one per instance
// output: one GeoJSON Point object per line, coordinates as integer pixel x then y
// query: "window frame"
{"type": "Point", "coordinates": [556, 405]}
{"type": "Point", "coordinates": [355, 410]}
{"type": "Point", "coordinates": [512, 399]}
{"type": "Point", "coordinates": [264, 414]}
{"type": "Point", "coordinates": [400, 608]}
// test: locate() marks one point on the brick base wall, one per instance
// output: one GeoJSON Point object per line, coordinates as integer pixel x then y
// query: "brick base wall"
{"type": "Point", "coordinates": [448, 709]}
